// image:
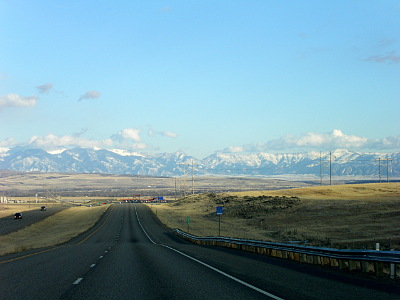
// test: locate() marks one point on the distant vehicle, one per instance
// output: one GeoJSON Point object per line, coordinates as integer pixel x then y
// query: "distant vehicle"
{"type": "Point", "coordinates": [18, 216]}
{"type": "Point", "coordinates": [43, 208]}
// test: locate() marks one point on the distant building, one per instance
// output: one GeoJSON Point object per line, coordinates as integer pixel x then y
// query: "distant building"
{"type": "Point", "coordinates": [3, 199]}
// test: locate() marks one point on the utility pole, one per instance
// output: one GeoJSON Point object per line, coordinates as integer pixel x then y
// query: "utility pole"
{"type": "Point", "coordinates": [379, 159]}
{"type": "Point", "coordinates": [185, 175]}
{"type": "Point", "coordinates": [330, 167]}
{"type": "Point", "coordinates": [320, 168]}
{"type": "Point", "coordinates": [193, 163]}
{"type": "Point", "coordinates": [175, 187]}
{"type": "Point", "coordinates": [387, 168]}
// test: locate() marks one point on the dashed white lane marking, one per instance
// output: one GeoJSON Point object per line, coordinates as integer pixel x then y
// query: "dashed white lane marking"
{"type": "Point", "coordinates": [92, 265]}
{"type": "Point", "coordinates": [78, 280]}
{"type": "Point", "coordinates": [101, 256]}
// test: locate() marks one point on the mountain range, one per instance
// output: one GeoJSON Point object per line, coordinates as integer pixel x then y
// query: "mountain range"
{"type": "Point", "coordinates": [83, 160]}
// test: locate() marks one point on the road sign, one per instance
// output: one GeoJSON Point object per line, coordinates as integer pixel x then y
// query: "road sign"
{"type": "Point", "coordinates": [188, 220]}
{"type": "Point", "coordinates": [219, 210]}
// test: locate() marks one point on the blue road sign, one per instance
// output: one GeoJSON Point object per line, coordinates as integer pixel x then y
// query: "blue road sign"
{"type": "Point", "coordinates": [219, 210]}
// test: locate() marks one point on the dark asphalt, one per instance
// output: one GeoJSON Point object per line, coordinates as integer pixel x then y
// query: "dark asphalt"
{"type": "Point", "coordinates": [9, 224]}
{"type": "Point", "coordinates": [129, 255]}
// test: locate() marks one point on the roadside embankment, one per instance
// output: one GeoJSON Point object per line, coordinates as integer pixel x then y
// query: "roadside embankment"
{"type": "Point", "coordinates": [343, 216]}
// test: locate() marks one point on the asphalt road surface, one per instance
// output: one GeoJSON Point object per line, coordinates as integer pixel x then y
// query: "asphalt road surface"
{"type": "Point", "coordinates": [129, 255]}
{"type": "Point", "coordinates": [8, 224]}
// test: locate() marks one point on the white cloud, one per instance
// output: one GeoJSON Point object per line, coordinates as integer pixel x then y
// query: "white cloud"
{"type": "Point", "coordinates": [9, 142]}
{"type": "Point", "coordinates": [321, 141]}
{"type": "Point", "coordinates": [90, 95]}
{"type": "Point", "coordinates": [15, 100]}
{"type": "Point", "coordinates": [151, 132]}
{"type": "Point", "coordinates": [169, 134]}
{"type": "Point", "coordinates": [129, 138]}
{"type": "Point", "coordinates": [44, 88]}
{"type": "Point", "coordinates": [235, 149]}
{"type": "Point", "coordinates": [390, 57]}
{"type": "Point", "coordinates": [52, 141]}
{"type": "Point", "coordinates": [128, 134]}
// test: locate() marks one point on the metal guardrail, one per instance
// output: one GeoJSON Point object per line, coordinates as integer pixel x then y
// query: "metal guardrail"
{"type": "Point", "coordinates": [391, 257]}
{"type": "Point", "coordinates": [378, 262]}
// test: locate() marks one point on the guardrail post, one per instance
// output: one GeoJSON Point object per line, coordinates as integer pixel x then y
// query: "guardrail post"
{"type": "Point", "coordinates": [364, 267]}
{"type": "Point", "coordinates": [378, 268]}
{"type": "Point", "coordinates": [392, 269]}
{"type": "Point", "coordinates": [317, 260]}
{"type": "Point", "coordinates": [343, 264]}
{"type": "Point", "coordinates": [352, 265]}
{"type": "Point", "coordinates": [334, 262]}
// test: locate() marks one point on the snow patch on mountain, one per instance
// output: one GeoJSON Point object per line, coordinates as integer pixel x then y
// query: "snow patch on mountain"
{"type": "Point", "coordinates": [115, 161]}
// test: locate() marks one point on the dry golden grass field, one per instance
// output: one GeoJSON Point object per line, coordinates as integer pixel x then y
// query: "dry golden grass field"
{"type": "Point", "coordinates": [342, 216]}
{"type": "Point", "coordinates": [56, 185]}
{"type": "Point", "coordinates": [348, 215]}
{"type": "Point", "coordinates": [53, 230]}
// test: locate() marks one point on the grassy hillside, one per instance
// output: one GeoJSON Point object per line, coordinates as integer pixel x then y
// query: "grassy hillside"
{"type": "Point", "coordinates": [343, 216]}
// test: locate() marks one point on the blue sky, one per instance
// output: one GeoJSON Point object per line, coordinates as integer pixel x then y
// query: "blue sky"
{"type": "Point", "coordinates": [200, 76]}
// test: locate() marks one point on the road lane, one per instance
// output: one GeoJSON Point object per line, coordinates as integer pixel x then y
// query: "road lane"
{"type": "Point", "coordinates": [117, 260]}
{"type": "Point", "coordinates": [29, 217]}
{"type": "Point", "coordinates": [137, 268]}
{"type": "Point", "coordinates": [48, 273]}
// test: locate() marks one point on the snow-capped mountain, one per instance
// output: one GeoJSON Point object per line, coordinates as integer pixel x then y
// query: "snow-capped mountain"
{"type": "Point", "coordinates": [81, 160]}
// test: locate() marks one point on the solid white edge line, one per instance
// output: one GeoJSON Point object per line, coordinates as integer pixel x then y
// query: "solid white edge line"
{"type": "Point", "coordinates": [78, 280]}
{"type": "Point", "coordinates": [225, 274]}
{"type": "Point", "coordinates": [137, 217]}
{"type": "Point", "coordinates": [211, 267]}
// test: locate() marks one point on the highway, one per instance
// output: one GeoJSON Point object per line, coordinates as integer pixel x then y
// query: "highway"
{"type": "Point", "coordinates": [130, 255]}
{"type": "Point", "coordinates": [8, 224]}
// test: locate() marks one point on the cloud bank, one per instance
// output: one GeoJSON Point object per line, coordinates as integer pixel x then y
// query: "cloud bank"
{"type": "Point", "coordinates": [51, 141]}
{"type": "Point", "coordinates": [15, 100]}
{"type": "Point", "coordinates": [128, 138]}
{"type": "Point", "coordinates": [131, 139]}
{"type": "Point", "coordinates": [320, 141]}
